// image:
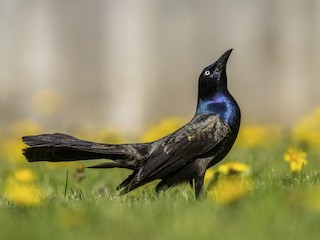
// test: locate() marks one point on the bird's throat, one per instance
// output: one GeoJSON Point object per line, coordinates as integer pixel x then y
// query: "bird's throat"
{"type": "Point", "coordinates": [220, 104]}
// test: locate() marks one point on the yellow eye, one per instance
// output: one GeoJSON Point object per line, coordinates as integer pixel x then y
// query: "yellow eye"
{"type": "Point", "coordinates": [207, 73]}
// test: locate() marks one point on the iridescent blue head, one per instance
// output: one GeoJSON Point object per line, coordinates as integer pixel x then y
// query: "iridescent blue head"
{"type": "Point", "coordinates": [214, 97]}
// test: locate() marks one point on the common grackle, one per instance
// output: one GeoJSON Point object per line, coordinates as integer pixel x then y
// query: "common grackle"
{"type": "Point", "coordinates": [182, 156]}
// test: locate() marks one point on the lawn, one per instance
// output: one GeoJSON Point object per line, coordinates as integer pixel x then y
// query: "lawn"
{"type": "Point", "coordinates": [252, 194]}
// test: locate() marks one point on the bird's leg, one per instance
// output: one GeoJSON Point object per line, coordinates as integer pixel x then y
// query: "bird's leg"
{"type": "Point", "coordinates": [162, 186]}
{"type": "Point", "coordinates": [199, 186]}
{"type": "Point", "coordinates": [191, 183]}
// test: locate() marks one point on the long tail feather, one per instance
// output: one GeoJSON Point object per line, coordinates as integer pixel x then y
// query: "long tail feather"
{"type": "Point", "coordinates": [61, 147]}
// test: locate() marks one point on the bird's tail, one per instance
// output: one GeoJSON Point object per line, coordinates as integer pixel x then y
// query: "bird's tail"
{"type": "Point", "coordinates": [60, 147]}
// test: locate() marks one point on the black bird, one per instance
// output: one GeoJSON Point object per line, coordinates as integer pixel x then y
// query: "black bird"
{"type": "Point", "coordinates": [182, 156]}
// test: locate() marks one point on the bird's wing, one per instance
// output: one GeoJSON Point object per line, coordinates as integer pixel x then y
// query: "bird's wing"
{"type": "Point", "coordinates": [195, 139]}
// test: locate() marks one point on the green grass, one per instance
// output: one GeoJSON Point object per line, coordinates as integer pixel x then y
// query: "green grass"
{"type": "Point", "coordinates": [280, 206]}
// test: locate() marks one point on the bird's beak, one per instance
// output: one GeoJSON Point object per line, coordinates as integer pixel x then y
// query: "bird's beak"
{"type": "Point", "coordinates": [222, 61]}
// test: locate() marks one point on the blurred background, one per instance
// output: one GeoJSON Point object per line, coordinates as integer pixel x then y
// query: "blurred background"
{"type": "Point", "coordinates": [126, 64]}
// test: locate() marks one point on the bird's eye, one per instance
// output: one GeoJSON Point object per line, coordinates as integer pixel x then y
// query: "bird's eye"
{"type": "Point", "coordinates": [207, 73]}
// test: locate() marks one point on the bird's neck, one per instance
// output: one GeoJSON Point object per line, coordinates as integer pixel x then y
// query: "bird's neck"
{"type": "Point", "coordinates": [220, 103]}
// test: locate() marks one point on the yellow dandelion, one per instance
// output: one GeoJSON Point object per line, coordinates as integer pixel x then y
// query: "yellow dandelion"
{"type": "Point", "coordinates": [162, 129]}
{"type": "Point", "coordinates": [23, 194]}
{"type": "Point", "coordinates": [209, 174]}
{"type": "Point", "coordinates": [23, 175]}
{"type": "Point", "coordinates": [230, 189]}
{"type": "Point", "coordinates": [234, 168]}
{"type": "Point", "coordinates": [12, 147]}
{"type": "Point", "coordinates": [296, 158]}
{"type": "Point", "coordinates": [231, 182]}
{"type": "Point", "coordinates": [20, 189]}
{"type": "Point", "coordinates": [307, 130]}
{"type": "Point", "coordinates": [254, 135]}
{"type": "Point", "coordinates": [12, 150]}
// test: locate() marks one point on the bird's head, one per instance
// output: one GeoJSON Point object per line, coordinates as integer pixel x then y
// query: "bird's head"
{"type": "Point", "coordinates": [214, 78]}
